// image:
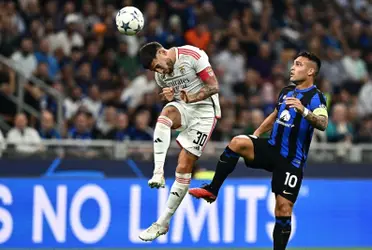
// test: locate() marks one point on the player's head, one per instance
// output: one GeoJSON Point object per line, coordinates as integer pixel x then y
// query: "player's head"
{"type": "Point", "coordinates": [154, 57]}
{"type": "Point", "coordinates": [306, 65]}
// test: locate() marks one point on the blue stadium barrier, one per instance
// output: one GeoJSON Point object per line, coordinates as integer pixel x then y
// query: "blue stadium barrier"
{"type": "Point", "coordinates": [81, 174]}
{"type": "Point", "coordinates": [111, 212]}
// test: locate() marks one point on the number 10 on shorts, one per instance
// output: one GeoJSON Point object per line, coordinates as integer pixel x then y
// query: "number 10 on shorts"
{"type": "Point", "coordinates": [290, 180]}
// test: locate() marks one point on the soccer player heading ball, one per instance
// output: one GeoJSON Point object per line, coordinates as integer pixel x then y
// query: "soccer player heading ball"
{"type": "Point", "coordinates": [189, 85]}
{"type": "Point", "coordinates": [300, 108]}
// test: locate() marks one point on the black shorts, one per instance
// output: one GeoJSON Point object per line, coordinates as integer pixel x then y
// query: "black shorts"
{"type": "Point", "coordinates": [286, 179]}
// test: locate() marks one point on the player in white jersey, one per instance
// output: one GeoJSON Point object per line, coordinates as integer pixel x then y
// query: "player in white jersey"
{"type": "Point", "coordinates": [189, 85]}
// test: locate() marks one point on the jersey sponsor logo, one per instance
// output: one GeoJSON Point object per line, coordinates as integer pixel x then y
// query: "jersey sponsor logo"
{"type": "Point", "coordinates": [284, 117]}
{"type": "Point", "coordinates": [179, 82]}
{"type": "Point", "coordinates": [285, 124]}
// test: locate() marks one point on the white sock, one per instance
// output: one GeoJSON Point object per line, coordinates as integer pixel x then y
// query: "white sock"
{"type": "Point", "coordinates": [162, 139]}
{"type": "Point", "coordinates": [177, 192]}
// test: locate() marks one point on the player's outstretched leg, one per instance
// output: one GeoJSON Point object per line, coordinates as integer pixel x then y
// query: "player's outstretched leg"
{"type": "Point", "coordinates": [177, 193]}
{"type": "Point", "coordinates": [282, 229]}
{"type": "Point", "coordinates": [239, 146]}
{"type": "Point", "coordinates": [162, 138]}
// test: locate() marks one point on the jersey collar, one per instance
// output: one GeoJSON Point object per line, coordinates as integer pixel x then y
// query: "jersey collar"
{"type": "Point", "coordinates": [305, 90]}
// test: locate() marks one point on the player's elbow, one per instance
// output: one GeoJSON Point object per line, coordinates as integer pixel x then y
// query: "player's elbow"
{"type": "Point", "coordinates": [322, 127]}
{"type": "Point", "coordinates": [212, 86]}
{"type": "Point", "coordinates": [321, 123]}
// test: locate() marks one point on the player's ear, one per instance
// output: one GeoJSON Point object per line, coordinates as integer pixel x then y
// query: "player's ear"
{"type": "Point", "coordinates": [311, 71]}
{"type": "Point", "coordinates": [162, 51]}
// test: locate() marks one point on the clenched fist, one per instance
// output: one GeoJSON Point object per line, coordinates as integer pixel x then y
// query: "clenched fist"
{"type": "Point", "coordinates": [168, 94]}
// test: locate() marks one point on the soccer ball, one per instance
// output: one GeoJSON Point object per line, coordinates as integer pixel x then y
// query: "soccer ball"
{"type": "Point", "coordinates": [129, 20]}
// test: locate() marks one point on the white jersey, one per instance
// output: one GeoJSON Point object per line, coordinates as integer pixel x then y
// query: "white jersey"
{"type": "Point", "coordinates": [189, 62]}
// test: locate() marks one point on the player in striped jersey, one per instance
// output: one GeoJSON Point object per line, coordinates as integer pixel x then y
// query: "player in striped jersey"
{"type": "Point", "coordinates": [189, 85]}
{"type": "Point", "coordinates": [300, 109]}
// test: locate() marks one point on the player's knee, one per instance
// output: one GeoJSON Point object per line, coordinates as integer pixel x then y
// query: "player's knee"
{"type": "Point", "coordinates": [239, 143]}
{"type": "Point", "coordinates": [173, 115]}
{"type": "Point", "coordinates": [283, 208]}
{"type": "Point", "coordinates": [184, 168]}
{"type": "Point", "coordinates": [169, 112]}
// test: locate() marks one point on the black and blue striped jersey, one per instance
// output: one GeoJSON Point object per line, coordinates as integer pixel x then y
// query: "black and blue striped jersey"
{"type": "Point", "coordinates": [292, 133]}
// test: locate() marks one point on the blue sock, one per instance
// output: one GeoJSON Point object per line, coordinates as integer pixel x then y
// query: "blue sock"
{"type": "Point", "coordinates": [282, 231]}
{"type": "Point", "coordinates": [225, 166]}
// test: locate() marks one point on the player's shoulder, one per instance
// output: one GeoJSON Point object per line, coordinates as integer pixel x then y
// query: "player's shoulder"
{"type": "Point", "coordinates": [189, 47]}
{"type": "Point", "coordinates": [319, 95]}
{"type": "Point", "coordinates": [290, 87]}
{"type": "Point", "coordinates": [191, 52]}
{"type": "Point", "coordinates": [315, 93]}
{"type": "Point", "coordinates": [318, 91]}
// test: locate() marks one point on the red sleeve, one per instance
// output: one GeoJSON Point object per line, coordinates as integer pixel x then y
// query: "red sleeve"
{"type": "Point", "coordinates": [206, 73]}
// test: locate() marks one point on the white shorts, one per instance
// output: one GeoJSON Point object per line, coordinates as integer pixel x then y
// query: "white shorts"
{"type": "Point", "coordinates": [197, 125]}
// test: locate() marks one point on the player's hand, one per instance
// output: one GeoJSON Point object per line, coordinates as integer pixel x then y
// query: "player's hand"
{"type": "Point", "coordinates": [168, 94]}
{"type": "Point", "coordinates": [184, 97]}
{"type": "Point", "coordinates": [295, 103]}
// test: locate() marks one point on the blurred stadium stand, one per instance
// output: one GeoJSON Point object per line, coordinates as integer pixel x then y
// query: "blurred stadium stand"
{"type": "Point", "coordinates": [84, 82]}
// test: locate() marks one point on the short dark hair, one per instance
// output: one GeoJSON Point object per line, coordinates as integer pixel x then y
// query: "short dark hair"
{"type": "Point", "coordinates": [148, 53]}
{"type": "Point", "coordinates": [312, 57]}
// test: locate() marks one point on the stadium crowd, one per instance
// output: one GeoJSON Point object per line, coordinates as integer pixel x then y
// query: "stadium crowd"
{"type": "Point", "coordinates": [75, 48]}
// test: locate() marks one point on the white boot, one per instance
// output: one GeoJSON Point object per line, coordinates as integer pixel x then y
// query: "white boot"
{"type": "Point", "coordinates": [157, 181]}
{"type": "Point", "coordinates": [153, 232]}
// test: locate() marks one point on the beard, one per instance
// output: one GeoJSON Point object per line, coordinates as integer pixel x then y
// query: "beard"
{"type": "Point", "coordinates": [298, 81]}
{"type": "Point", "coordinates": [170, 65]}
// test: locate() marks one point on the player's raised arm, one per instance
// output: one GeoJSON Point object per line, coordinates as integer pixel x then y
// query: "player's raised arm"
{"type": "Point", "coordinates": [318, 121]}
{"type": "Point", "coordinates": [267, 124]}
{"type": "Point", "coordinates": [204, 70]}
{"type": "Point", "coordinates": [166, 93]}
{"type": "Point", "coordinates": [317, 115]}
{"type": "Point", "coordinates": [211, 87]}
